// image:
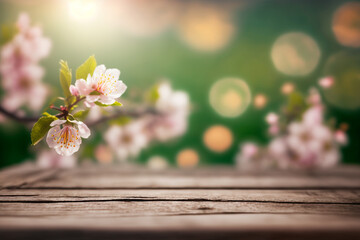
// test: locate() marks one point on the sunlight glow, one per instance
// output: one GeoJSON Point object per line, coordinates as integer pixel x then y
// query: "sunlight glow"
{"type": "Point", "coordinates": [83, 10]}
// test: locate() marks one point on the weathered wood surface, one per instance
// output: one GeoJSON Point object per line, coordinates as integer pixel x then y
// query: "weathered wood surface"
{"type": "Point", "coordinates": [210, 203]}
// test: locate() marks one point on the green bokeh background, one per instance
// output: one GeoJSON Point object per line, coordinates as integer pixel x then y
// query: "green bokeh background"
{"type": "Point", "coordinates": [143, 61]}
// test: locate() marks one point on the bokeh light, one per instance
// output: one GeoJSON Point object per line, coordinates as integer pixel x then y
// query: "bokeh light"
{"type": "Point", "coordinates": [345, 71]}
{"type": "Point", "coordinates": [218, 138]}
{"type": "Point", "coordinates": [83, 10]}
{"type": "Point", "coordinates": [103, 154]}
{"type": "Point", "coordinates": [206, 27]}
{"type": "Point", "coordinates": [230, 97]}
{"type": "Point", "coordinates": [187, 158]}
{"type": "Point", "coordinates": [260, 101]}
{"type": "Point", "coordinates": [295, 54]}
{"type": "Point", "coordinates": [143, 18]}
{"type": "Point", "coordinates": [287, 88]}
{"type": "Point", "coordinates": [157, 163]}
{"type": "Point", "coordinates": [346, 24]}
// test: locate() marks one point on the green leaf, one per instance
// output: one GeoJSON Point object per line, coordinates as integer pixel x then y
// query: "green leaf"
{"type": "Point", "coordinates": [8, 32]}
{"type": "Point", "coordinates": [65, 78]}
{"type": "Point", "coordinates": [120, 121]}
{"type": "Point", "coordinates": [112, 105]}
{"type": "Point", "coordinates": [153, 94]}
{"type": "Point", "coordinates": [46, 114]}
{"type": "Point", "coordinates": [40, 128]}
{"type": "Point", "coordinates": [86, 68]}
{"type": "Point", "coordinates": [81, 115]}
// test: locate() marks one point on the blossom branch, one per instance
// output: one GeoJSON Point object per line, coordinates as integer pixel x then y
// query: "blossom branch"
{"type": "Point", "coordinates": [21, 119]}
{"type": "Point", "coordinates": [125, 113]}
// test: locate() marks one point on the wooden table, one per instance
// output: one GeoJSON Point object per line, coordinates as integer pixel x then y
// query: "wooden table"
{"type": "Point", "coordinates": [115, 202]}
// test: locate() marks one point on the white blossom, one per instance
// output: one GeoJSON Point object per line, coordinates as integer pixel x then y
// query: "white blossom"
{"type": "Point", "coordinates": [65, 136]}
{"type": "Point", "coordinates": [127, 141]}
{"type": "Point", "coordinates": [103, 86]}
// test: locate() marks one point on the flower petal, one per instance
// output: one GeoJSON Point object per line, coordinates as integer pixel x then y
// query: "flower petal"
{"type": "Point", "coordinates": [92, 98]}
{"type": "Point", "coordinates": [73, 90]}
{"type": "Point", "coordinates": [53, 136]}
{"type": "Point", "coordinates": [119, 89]}
{"type": "Point", "coordinates": [57, 122]}
{"type": "Point", "coordinates": [113, 73]}
{"type": "Point", "coordinates": [84, 131]}
{"type": "Point", "coordinates": [107, 100]}
{"type": "Point", "coordinates": [82, 87]}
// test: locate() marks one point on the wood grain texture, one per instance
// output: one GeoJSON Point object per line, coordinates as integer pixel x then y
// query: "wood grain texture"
{"type": "Point", "coordinates": [110, 202]}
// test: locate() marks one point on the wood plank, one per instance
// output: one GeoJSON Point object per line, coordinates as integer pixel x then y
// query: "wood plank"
{"type": "Point", "coordinates": [23, 174]}
{"type": "Point", "coordinates": [267, 195]}
{"type": "Point", "coordinates": [74, 181]}
{"type": "Point", "coordinates": [222, 226]}
{"type": "Point", "coordinates": [116, 208]}
{"type": "Point", "coordinates": [211, 203]}
{"type": "Point", "coordinates": [118, 177]}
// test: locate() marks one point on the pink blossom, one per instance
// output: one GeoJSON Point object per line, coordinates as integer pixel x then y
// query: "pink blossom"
{"type": "Point", "coordinates": [326, 82]}
{"type": "Point", "coordinates": [173, 107]}
{"type": "Point", "coordinates": [314, 97]}
{"type": "Point", "coordinates": [20, 73]}
{"type": "Point", "coordinates": [65, 136]}
{"type": "Point", "coordinates": [272, 118]}
{"type": "Point", "coordinates": [341, 137]}
{"type": "Point", "coordinates": [314, 115]}
{"type": "Point", "coordinates": [103, 86]}
{"type": "Point", "coordinates": [127, 141]}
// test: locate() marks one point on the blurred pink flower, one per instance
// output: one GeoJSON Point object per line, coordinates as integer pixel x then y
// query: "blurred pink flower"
{"type": "Point", "coordinates": [272, 118]}
{"type": "Point", "coordinates": [20, 73]}
{"type": "Point", "coordinates": [326, 82]}
{"type": "Point", "coordinates": [314, 115]}
{"type": "Point", "coordinates": [251, 157]}
{"type": "Point", "coordinates": [314, 97]}
{"type": "Point", "coordinates": [65, 136]}
{"type": "Point", "coordinates": [105, 83]}
{"type": "Point", "coordinates": [173, 107]}
{"type": "Point", "coordinates": [341, 137]}
{"type": "Point", "coordinates": [50, 159]}
{"type": "Point", "coordinates": [127, 141]}
{"type": "Point", "coordinates": [305, 146]}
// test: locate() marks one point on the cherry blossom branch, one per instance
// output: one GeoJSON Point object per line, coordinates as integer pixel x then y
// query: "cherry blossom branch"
{"type": "Point", "coordinates": [21, 119]}
{"type": "Point", "coordinates": [125, 113]}
{"type": "Point", "coordinates": [78, 99]}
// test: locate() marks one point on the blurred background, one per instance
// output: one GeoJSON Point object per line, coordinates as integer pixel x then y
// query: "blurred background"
{"type": "Point", "coordinates": [237, 60]}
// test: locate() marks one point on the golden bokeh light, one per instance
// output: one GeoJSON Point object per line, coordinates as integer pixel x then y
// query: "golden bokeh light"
{"type": "Point", "coordinates": [187, 158]}
{"type": "Point", "coordinates": [206, 27]}
{"type": "Point", "coordinates": [346, 24]}
{"type": "Point", "coordinates": [287, 88]}
{"type": "Point", "coordinates": [230, 97]}
{"type": "Point", "coordinates": [295, 54]}
{"type": "Point", "coordinates": [218, 138]}
{"type": "Point", "coordinates": [260, 101]}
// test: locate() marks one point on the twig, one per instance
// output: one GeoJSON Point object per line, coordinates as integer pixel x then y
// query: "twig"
{"type": "Point", "coordinates": [126, 113]}
{"type": "Point", "coordinates": [21, 119]}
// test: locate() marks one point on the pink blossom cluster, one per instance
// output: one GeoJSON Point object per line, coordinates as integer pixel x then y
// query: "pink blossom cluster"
{"type": "Point", "coordinates": [20, 71]}
{"type": "Point", "coordinates": [303, 144]}
{"type": "Point", "coordinates": [169, 122]}
{"type": "Point", "coordinates": [309, 142]}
